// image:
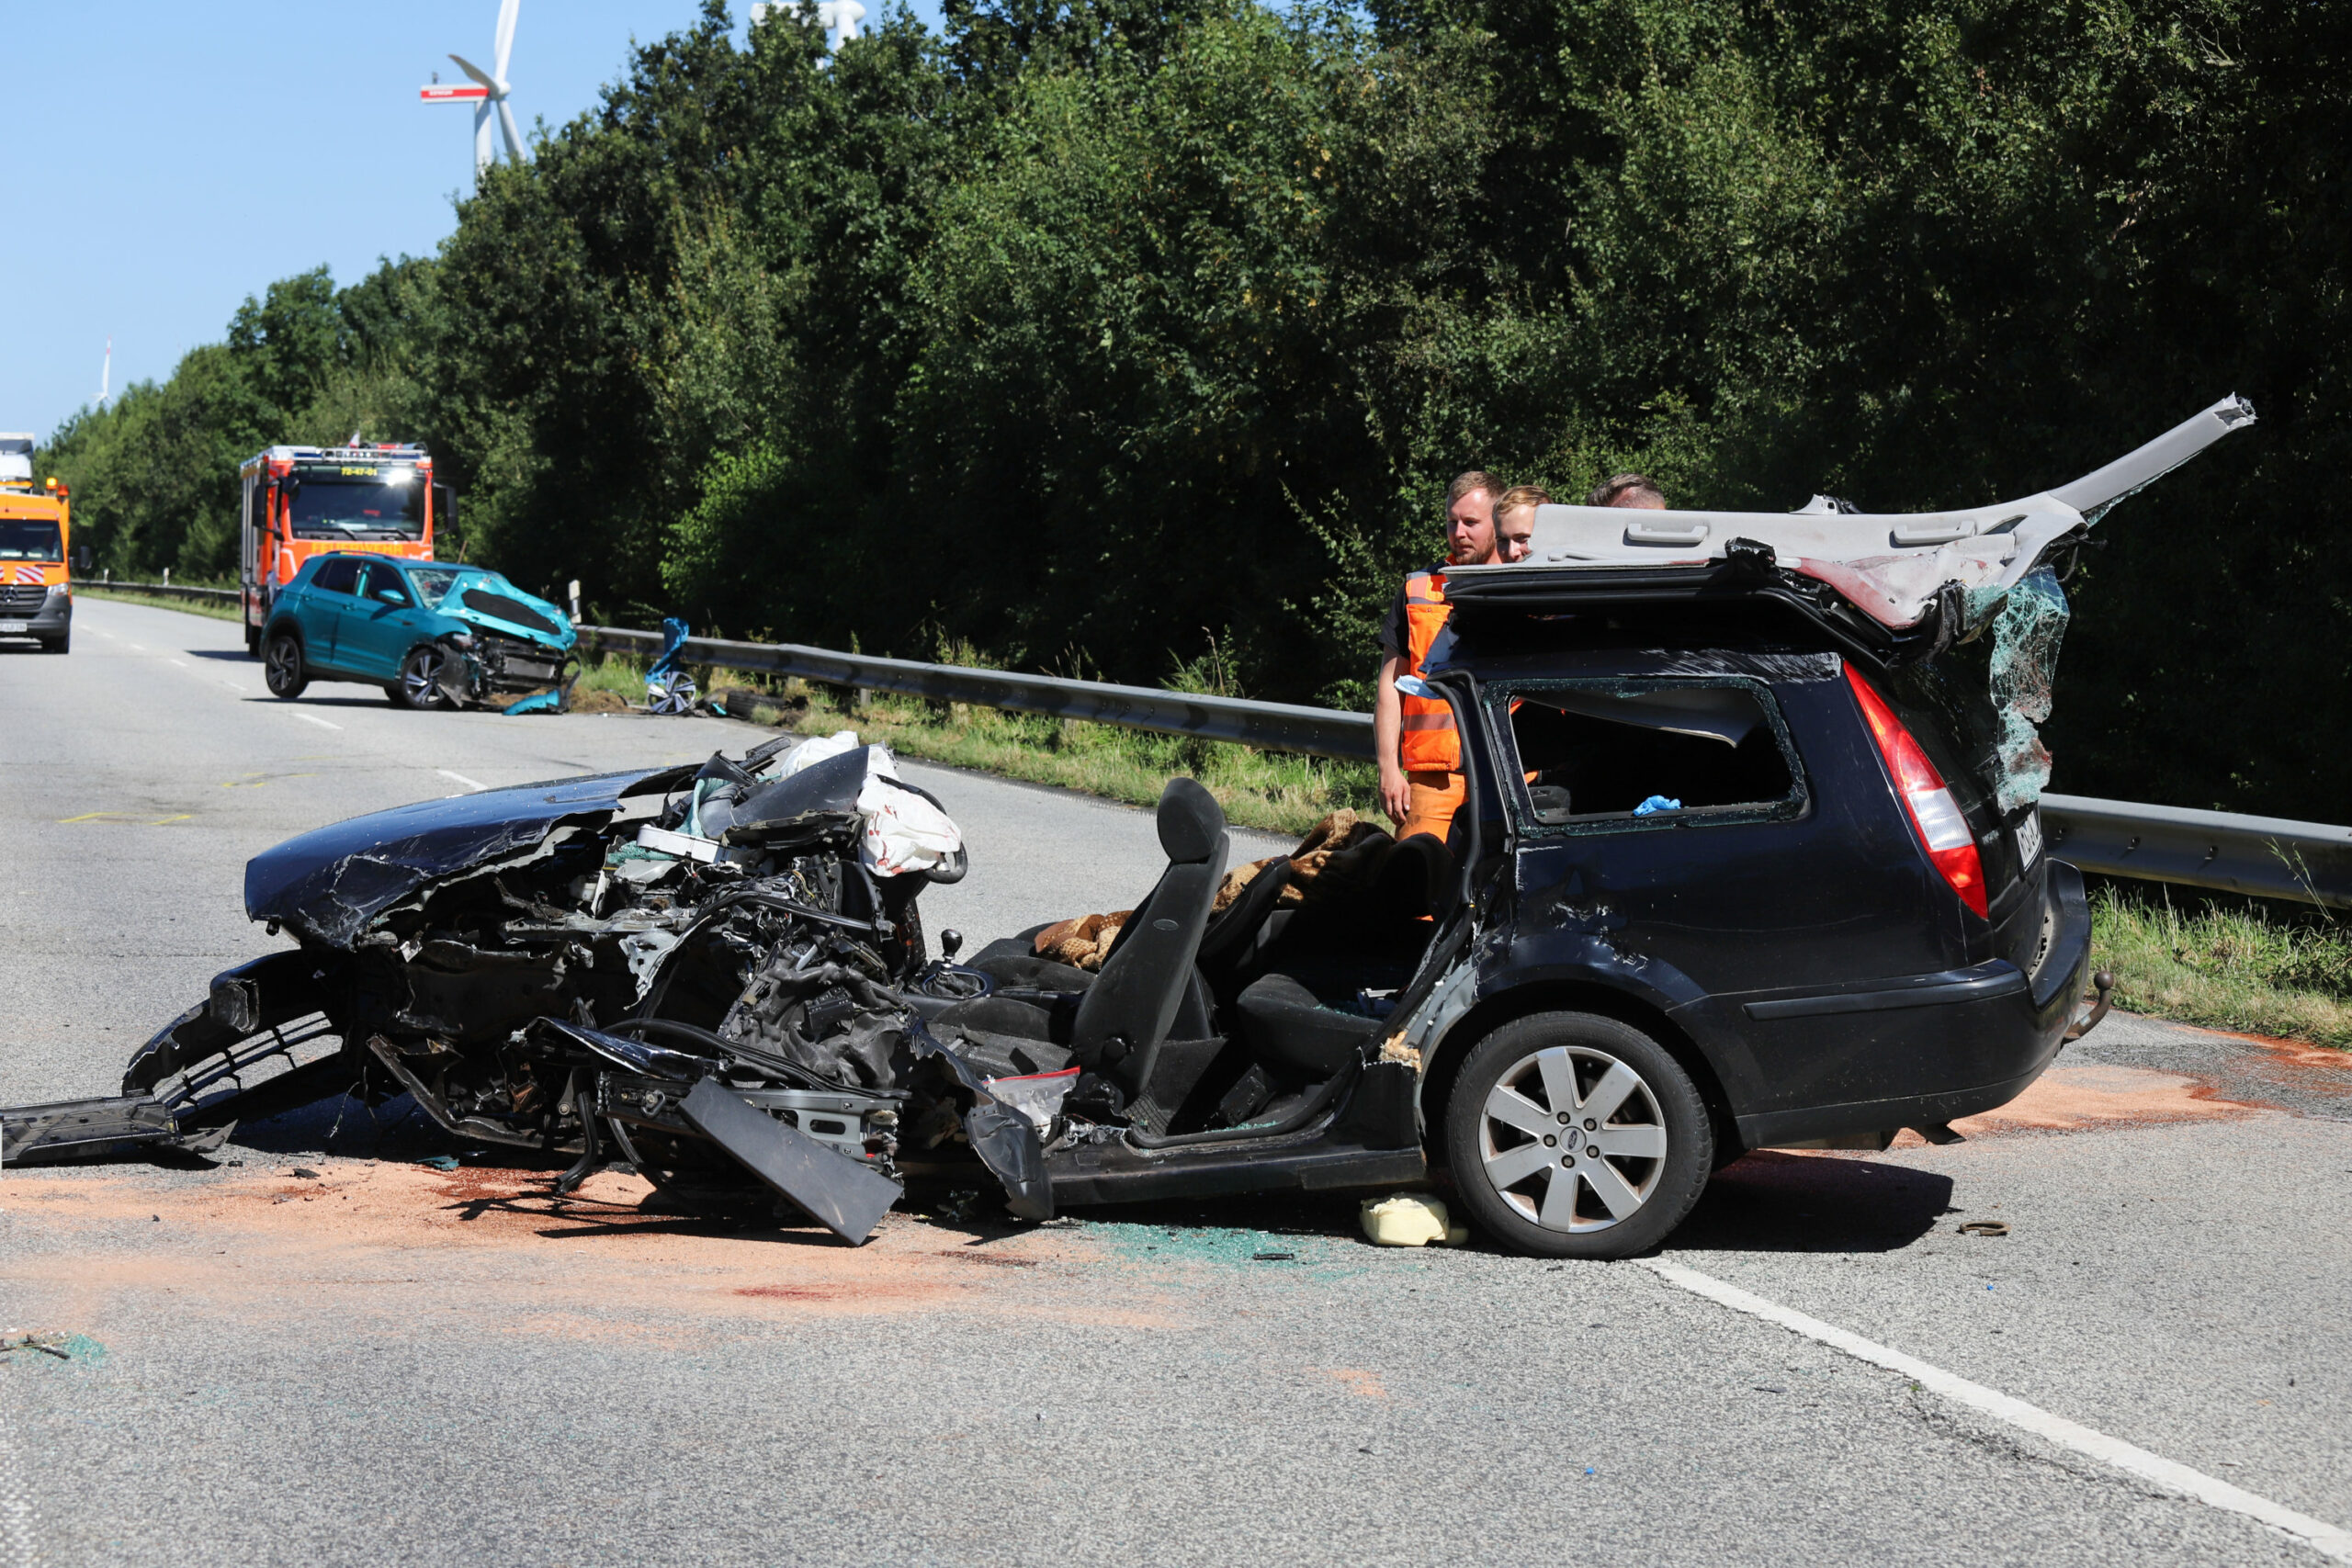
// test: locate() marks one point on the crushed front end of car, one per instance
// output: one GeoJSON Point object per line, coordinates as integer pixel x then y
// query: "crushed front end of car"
{"type": "Point", "coordinates": [712, 974]}
{"type": "Point", "coordinates": [502, 644]}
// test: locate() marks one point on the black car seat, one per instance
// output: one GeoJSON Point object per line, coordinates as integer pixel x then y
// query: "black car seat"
{"type": "Point", "coordinates": [1149, 974]}
{"type": "Point", "coordinates": [1232, 935]}
{"type": "Point", "coordinates": [1412, 882]}
{"type": "Point", "coordinates": [1282, 1026]}
{"type": "Point", "coordinates": [1374, 939]}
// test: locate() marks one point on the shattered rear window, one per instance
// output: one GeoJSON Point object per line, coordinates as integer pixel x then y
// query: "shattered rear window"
{"type": "Point", "coordinates": [1977, 707]}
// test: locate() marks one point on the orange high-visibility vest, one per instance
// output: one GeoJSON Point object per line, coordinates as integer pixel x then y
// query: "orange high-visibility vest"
{"type": "Point", "coordinates": [1428, 743]}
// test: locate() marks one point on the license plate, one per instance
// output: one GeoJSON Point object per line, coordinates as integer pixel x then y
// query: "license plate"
{"type": "Point", "coordinates": [14, 629]}
{"type": "Point", "coordinates": [2030, 838]}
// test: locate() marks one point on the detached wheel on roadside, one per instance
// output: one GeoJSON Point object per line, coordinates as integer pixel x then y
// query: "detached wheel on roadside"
{"type": "Point", "coordinates": [1575, 1135]}
{"type": "Point", "coordinates": [282, 667]}
{"type": "Point", "coordinates": [419, 686]}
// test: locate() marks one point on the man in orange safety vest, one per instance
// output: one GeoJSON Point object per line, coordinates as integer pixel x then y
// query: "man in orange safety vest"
{"type": "Point", "coordinates": [1420, 760]}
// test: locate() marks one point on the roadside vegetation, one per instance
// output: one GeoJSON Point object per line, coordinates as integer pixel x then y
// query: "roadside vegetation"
{"type": "Point", "coordinates": [2256, 967]}
{"type": "Point", "coordinates": [1076, 326]}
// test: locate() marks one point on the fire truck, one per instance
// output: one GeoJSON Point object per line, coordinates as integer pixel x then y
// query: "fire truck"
{"type": "Point", "coordinates": [36, 527]}
{"type": "Point", "coordinates": [304, 501]}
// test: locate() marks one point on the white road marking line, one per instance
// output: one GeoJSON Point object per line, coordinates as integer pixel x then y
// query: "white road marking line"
{"type": "Point", "coordinates": [135, 647]}
{"type": "Point", "coordinates": [461, 778]}
{"type": "Point", "coordinates": [2329, 1541]}
{"type": "Point", "coordinates": [183, 664]}
{"type": "Point", "coordinates": [314, 718]}
{"type": "Point", "coordinates": [16, 1505]}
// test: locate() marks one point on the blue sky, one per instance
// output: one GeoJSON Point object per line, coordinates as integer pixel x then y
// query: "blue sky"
{"type": "Point", "coordinates": [167, 160]}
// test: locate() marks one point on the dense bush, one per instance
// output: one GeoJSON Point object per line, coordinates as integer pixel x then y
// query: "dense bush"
{"type": "Point", "coordinates": [1095, 330]}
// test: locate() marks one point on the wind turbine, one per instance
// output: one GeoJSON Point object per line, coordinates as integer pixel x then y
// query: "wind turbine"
{"type": "Point", "coordinates": [488, 90]}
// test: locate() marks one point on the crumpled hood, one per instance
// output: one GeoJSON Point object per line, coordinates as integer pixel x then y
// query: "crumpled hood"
{"type": "Point", "coordinates": [327, 885]}
{"type": "Point", "coordinates": [480, 599]}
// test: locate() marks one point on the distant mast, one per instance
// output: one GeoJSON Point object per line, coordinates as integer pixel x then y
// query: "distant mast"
{"type": "Point", "coordinates": [839, 18]}
{"type": "Point", "coordinates": [487, 91]}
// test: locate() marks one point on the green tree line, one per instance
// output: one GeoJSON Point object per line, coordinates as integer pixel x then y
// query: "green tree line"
{"type": "Point", "coordinates": [1095, 333]}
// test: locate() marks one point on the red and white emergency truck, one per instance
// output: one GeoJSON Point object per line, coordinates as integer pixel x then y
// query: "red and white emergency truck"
{"type": "Point", "coordinates": [305, 501]}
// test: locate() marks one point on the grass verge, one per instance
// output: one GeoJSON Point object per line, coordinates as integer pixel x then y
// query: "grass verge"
{"type": "Point", "coordinates": [219, 612]}
{"type": "Point", "coordinates": [1281, 792]}
{"type": "Point", "coordinates": [2259, 968]}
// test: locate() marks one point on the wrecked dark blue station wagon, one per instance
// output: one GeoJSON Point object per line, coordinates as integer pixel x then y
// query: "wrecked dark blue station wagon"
{"type": "Point", "coordinates": [1750, 859]}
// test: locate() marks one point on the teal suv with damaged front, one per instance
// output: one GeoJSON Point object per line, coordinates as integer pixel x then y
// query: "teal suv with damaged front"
{"type": "Point", "coordinates": [432, 635]}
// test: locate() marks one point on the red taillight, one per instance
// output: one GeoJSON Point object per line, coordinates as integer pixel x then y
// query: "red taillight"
{"type": "Point", "coordinates": [1934, 815]}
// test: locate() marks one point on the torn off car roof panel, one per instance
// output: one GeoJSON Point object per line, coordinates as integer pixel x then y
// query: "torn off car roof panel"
{"type": "Point", "coordinates": [1893, 567]}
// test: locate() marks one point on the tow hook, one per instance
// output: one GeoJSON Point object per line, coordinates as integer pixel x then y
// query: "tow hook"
{"type": "Point", "coordinates": [2102, 997]}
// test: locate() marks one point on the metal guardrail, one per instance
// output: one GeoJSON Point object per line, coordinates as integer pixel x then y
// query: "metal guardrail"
{"type": "Point", "coordinates": [1283, 727]}
{"type": "Point", "coordinates": [2262, 856]}
{"type": "Point", "coordinates": [2268, 857]}
{"type": "Point", "coordinates": [166, 590]}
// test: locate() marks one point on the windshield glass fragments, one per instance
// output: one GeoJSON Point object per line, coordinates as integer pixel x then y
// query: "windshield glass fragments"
{"type": "Point", "coordinates": [433, 582]}
{"type": "Point", "coordinates": [24, 538]}
{"type": "Point", "coordinates": [357, 503]}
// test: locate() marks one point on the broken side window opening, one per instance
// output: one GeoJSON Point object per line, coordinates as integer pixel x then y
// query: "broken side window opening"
{"type": "Point", "coordinates": [1594, 753]}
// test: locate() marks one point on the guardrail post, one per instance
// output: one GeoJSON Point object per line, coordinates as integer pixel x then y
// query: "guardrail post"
{"type": "Point", "coordinates": [167, 576]}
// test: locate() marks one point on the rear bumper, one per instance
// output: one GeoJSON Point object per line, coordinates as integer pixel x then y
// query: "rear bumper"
{"type": "Point", "coordinates": [1948, 1045]}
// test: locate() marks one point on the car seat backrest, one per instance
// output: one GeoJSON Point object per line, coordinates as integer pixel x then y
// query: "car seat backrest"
{"type": "Point", "coordinates": [1128, 1011]}
{"type": "Point", "coordinates": [1229, 936]}
{"type": "Point", "coordinates": [1413, 881]}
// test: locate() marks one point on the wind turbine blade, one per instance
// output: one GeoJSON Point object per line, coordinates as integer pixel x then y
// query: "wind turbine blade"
{"type": "Point", "coordinates": [506, 34]}
{"type": "Point", "coordinates": [506, 124]}
{"type": "Point", "coordinates": [485, 154]}
{"type": "Point", "coordinates": [476, 72]}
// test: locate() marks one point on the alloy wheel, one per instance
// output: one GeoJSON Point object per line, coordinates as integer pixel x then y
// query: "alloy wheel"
{"type": "Point", "coordinates": [421, 678]}
{"type": "Point", "coordinates": [282, 670]}
{"type": "Point", "coordinates": [1573, 1138]}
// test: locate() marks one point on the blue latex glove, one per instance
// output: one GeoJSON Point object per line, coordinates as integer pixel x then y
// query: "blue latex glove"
{"type": "Point", "coordinates": [1655, 805]}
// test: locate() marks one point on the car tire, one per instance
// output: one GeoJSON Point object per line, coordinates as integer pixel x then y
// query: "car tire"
{"type": "Point", "coordinates": [418, 687]}
{"type": "Point", "coordinates": [1558, 1198]}
{"type": "Point", "coordinates": [284, 669]}
{"type": "Point", "coordinates": [252, 642]}
{"type": "Point", "coordinates": [59, 644]}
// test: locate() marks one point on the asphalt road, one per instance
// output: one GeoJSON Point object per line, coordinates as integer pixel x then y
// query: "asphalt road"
{"type": "Point", "coordinates": [383, 1362]}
